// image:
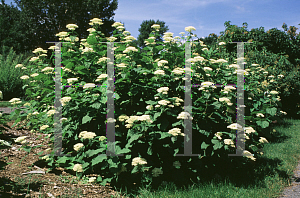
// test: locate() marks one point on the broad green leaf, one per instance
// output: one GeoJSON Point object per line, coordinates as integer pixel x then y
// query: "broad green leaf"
{"type": "Point", "coordinates": [86, 119]}
{"type": "Point", "coordinates": [98, 159]}
{"type": "Point", "coordinates": [217, 144]}
{"type": "Point", "coordinates": [105, 181]}
{"type": "Point", "coordinates": [62, 160]}
{"type": "Point", "coordinates": [121, 151]}
{"type": "Point", "coordinates": [135, 169]}
{"type": "Point", "coordinates": [263, 124]}
{"type": "Point", "coordinates": [204, 145]}
{"type": "Point", "coordinates": [90, 153]}
{"type": "Point", "coordinates": [271, 111]}
{"type": "Point", "coordinates": [96, 105]}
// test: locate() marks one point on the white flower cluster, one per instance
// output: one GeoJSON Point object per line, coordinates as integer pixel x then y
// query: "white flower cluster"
{"type": "Point", "coordinates": [87, 135]}
{"type": "Point", "coordinates": [130, 120]}
{"type": "Point", "coordinates": [15, 101]}
{"type": "Point", "coordinates": [218, 135]}
{"type": "Point", "coordinates": [65, 100]}
{"type": "Point", "coordinates": [92, 179]}
{"type": "Point", "coordinates": [121, 65]}
{"type": "Point", "coordinates": [184, 115]}
{"type": "Point", "coordinates": [263, 140]}
{"type": "Point", "coordinates": [71, 26]}
{"type": "Point", "coordinates": [34, 75]}
{"type": "Point", "coordinates": [138, 161]}
{"type": "Point", "coordinates": [164, 90]}
{"type": "Point", "coordinates": [102, 76]}
{"type": "Point", "coordinates": [206, 84]}
{"type": "Point", "coordinates": [24, 77]}
{"type": "Point", "coordinates": [21, 139]}
{"type": "Point", "coordinates": [227, 100]}
{"type": "Point", "coordinates": [249, 130]}
{"type": "Point", "coordinates": [189, 28]}
{"type": "Point", "coordinates": [18, 65]}
{"type": "Point", "coordinates": [229, 142]}
{"type": "Point", "coordinates": [178, 71]}
{"type": "Point", "coordinates": [159, 72]}
{"type": "Point", "coordinates": [96, 21]}
{"type": "Point", "coordinates": [176, 132]}
{"type": "Point", "coordinates": [102, 138]}
{"type": "Point", "coordinates": [249, 155]}
{"type": "Point", "coordinates": [207, 68]}
{"type": "Point", "coordinates": [51, 112]}
{"type": "Point", "coordinates": [260, 115]}
{"type": "Point", "coordinates": [129, 49]}
{"type": "Point", "coordinates": [162, 62]}
{"type": "Point", "coordinates": [234, 126]}
{"type": "Point", "coordinates": [70, 80]}
{"type": "Point", "coordinates": [78, 168]}
{"type": "Point", "coordinates": [44, 127]}
{"type": "Point", "coordinates": [155, 26]}
{"type": "Point", "coordinates": [163, 102]}
{"type": "Point", "coordinates": [78, 146]}
{"type": "Point", "coordinates": [89, 85]}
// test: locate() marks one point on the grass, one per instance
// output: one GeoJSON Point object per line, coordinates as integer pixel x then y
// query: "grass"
{"type": "Point", "coordinates": [280, 159]}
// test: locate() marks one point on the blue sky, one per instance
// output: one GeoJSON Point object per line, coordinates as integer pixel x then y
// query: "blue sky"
{"type": "Point", "coordinates": [207, 16]}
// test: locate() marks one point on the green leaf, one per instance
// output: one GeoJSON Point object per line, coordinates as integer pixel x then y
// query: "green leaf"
{"type": "Point", "coordinates": [156, 115]}
{"type": "Point", "coordinates": [121, 151]}
{"type": "Point", "coordinates": [91, 40]}
{"type": "Point", "coordinates": [217, 144]}
{"type": "Point", "coordinates": [105, 181]}
{"type": "Point", "coordinates": [217, 105]}
{"type": "Point", "coordinates": [262, 124]}
{"type": "Point", "coordinates": [176, 123]}
{"type": "Point", "coordinates": [86, 119]}
{"type": "Point", "coordinates": [96, 105]}
{"type": "Point", "coordinates": [98, 159]}
{"type": "Point", "coordinates": [62, 160]}
{"type": "Point", "coordinates": [135, 169]}
{"type": "Point", "coordinates": [271, 111]}
{"type": "Point", "coordinates": [204, 145]}
{"type": "Point", "coordinates": [149, 151]}
{"type": "Point", "coordinates": [90, 153]}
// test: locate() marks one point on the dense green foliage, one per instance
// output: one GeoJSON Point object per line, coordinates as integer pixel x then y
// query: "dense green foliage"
{"type": "Point", "coordinates": [139, 78]}
{"type": "Point", "coordinates": [10, 83]}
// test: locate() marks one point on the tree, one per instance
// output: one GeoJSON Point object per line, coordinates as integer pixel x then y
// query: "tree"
{"type": "Point", "coordinates": [12, 29]}
{"type": "Point", "coordinates": [45, 19]}
{"type": "Point", "coordinates": [146, 29]}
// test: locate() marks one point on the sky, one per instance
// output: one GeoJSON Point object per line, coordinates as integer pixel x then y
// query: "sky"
{"type": "Point", "coordinates": [207, 16]}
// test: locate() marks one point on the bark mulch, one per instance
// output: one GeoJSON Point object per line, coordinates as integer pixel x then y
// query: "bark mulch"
{"type": "Point", "coordinates": [40, 182]}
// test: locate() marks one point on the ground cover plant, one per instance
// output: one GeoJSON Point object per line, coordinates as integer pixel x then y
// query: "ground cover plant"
{"type": "Point", "coordinates": [148, 107]}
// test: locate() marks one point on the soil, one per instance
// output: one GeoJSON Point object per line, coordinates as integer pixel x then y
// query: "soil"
{"type": "Point", "coordinates": [43, 184]}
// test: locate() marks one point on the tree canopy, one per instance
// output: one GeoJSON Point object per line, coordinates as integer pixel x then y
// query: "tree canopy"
{"type": "Point", "coordinates": [146, 29]}
{"type": "Point", "coordinates": [41, 20]}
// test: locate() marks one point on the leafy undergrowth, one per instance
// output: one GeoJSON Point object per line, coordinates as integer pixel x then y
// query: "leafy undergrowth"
{"type": "Point", "coordinates": [266, 177]}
